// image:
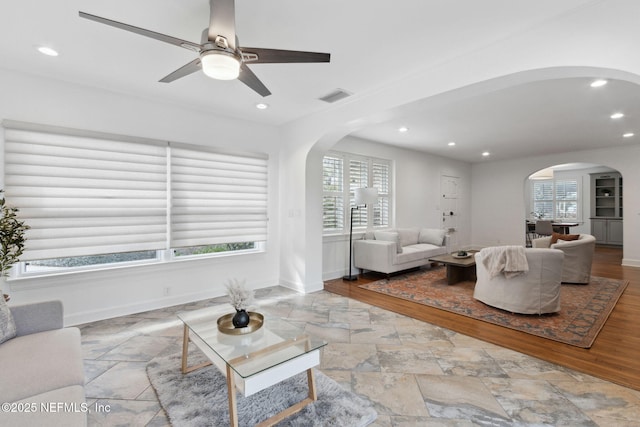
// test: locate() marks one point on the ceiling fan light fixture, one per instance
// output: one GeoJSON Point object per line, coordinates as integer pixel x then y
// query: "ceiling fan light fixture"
{"type": "Point", "coordinates": [220, 65]}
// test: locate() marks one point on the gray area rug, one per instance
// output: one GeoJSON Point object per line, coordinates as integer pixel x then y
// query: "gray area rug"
{"type": "Point", "coordinates": [199, 398]}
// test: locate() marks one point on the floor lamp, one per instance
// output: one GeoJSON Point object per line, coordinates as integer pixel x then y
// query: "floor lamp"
{"type": "Point", "coordinates": [364, 196]}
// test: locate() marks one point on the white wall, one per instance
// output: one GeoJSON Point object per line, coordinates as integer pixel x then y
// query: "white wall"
{"type": "Point", "coordinates": [416, 183]}
{"type": "Point", "coordinates": [95, 295]}
{"type": "Point", "coordinates": [501, 183]}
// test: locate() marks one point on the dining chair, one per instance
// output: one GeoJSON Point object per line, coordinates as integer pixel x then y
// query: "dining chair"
{"type": "Point", "coordinates": [544, 228]}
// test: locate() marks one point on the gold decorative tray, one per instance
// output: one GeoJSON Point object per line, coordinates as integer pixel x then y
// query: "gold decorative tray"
{"type": "Point", "coordinates": [225, 324]}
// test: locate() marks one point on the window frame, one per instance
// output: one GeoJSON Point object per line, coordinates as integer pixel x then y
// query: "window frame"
{"type": "Point", "coordinates": [366, 215]}
{"type": "Point", "coordinates": [167, 252]}
{"type": "Point", "coordinates": [555, 200]}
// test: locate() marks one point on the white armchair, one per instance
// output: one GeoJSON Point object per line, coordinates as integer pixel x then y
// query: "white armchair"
{"type": "Point", "coordinates": [578, 256]}
{"type": "Point", "coordinates": [534, 292]}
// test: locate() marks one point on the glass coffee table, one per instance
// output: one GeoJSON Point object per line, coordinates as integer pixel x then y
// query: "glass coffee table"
{"type": "Point", "coordinates": [254, 361]}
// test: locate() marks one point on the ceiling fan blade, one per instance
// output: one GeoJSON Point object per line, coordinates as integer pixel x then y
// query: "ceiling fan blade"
{"type": "Point", "coordinates": [185, 70]}
{"type": "Point", "coordinates": [158, 36]}
{"type": "Point", "coordinates": [247, 77]}
{"type": "Point", "coordinates": [222, 21]}
{"type": "Point", "coordinates": [256, 55]}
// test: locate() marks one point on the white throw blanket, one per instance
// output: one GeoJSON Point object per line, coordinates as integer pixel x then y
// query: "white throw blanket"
{"type": "Point", "coordinates": [510, 260]}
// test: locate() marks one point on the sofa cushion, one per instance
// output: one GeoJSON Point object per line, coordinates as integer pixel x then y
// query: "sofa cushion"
{"type": "Point", "coordinates": [369, 235]}
{"type": "Point", "coordinates": [434, 236]}
{"type": "Point", "coordinates": [408, 236]}
{"type": "Point", "coordinates": [39, 363]}
{"type": "Point", "coordinates": [558, 236]}
{"type": "Point", "coordinates": [389, 236]}
{"type": "Point", "coordinates": [7, 324]}
{"type": "Point", "coordinates": [409, 254]}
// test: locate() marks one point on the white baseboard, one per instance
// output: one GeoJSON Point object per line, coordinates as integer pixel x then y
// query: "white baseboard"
{"type": "Point", "coordinates": [124, 310]}
{"type": "Point", "coordinates": [630, 262]}
{"type": "Point", "coordinates": [301, 287]}
{"type": "Point", "coordinates": [336, 274]}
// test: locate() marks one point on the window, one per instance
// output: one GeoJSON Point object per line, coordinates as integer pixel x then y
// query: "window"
{"type": "Point", "coordinates": [342, 173]}
{"type": "Point", "coordinates": [555, 199]}
{"type": "Point", "coordinates": [333, 193]}
{"type": "Point", "coordinates": [94, 199]}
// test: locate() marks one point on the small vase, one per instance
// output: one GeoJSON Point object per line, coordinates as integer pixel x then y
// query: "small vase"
{"type": "Point", "coordinates": [240, 319]}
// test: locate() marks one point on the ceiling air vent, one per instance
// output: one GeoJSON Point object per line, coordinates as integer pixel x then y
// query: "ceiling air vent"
{"type": "Point", "coordinates": [336, 95]}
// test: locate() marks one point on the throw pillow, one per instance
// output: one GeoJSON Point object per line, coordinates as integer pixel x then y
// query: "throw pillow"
{"type": "Point", "coordinates": [408, 236]}
{"type": "Point", "coordinates": [389, 236]}
{"type": "Point", "coordinates": [557, 236]}
{"type": "Point", "coordinates": [7, 325]}
{"type": "Point", "coordinates": [434, 236]}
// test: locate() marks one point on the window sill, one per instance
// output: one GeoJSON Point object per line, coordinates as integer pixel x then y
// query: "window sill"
{"type": "Point", "coordinates": [124, 268]}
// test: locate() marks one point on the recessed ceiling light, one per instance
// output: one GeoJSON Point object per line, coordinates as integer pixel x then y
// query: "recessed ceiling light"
{"type": "Point", "coordinates": [262, 106]}
{"type": "Point", "coordinates": [628, 135]}
{"type": "Point", "coordinates": [617, 115]}
{"type": "Point", "coordinates": [403, 129]}
{"type": "Point", "coordinates": [486, 154]}
{"type": "Point", "coordinates": [451, 144]}
{"type": "Point", "coordinates": [47, 51]}
{"type": "Point", "coordinates": [598, 83]}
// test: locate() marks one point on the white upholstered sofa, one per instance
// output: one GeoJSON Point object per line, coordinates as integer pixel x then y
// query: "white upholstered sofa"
{"type": "Point", "coordinates": [578, 255]}
{"type": "Point", "coordinates": [42, 374]}
{"type": "Point", "coordinates": [390, 251]}
{"type": "Point", "coordinates": [534, 292]}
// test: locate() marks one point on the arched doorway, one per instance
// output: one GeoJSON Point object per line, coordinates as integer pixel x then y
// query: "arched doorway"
{"type": "Point", "coordinates": [579, 198]}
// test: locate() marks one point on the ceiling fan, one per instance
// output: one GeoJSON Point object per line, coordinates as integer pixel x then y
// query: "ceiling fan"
{"type": "Point", "coordinates": [220, 55]}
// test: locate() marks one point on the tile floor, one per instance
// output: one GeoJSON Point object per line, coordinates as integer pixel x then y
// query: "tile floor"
{"type": "Point", "coordinates": [416, 374]}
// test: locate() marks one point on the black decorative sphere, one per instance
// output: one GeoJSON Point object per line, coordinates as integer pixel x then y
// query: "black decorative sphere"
{"type": "Point", "coordinates": [240, 319]}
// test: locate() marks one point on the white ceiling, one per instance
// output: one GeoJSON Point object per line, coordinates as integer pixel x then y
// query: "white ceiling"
{"type": "Point", "coordinates": [373, 43]}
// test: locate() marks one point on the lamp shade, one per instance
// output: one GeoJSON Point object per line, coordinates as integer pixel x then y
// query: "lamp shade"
{"type": "Point", "coordinates": [220, 65]}
{"type": "Point", "coordinates": [366, 196]}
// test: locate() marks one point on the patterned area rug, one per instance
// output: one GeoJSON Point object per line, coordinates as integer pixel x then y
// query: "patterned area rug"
{"type": "Point", "coordinates": [199, 398]}
{"type": "Point", "coordinates": [584, 308]}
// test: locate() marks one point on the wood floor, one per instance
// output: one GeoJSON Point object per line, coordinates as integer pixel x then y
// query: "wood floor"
{"type": "Point", "coordinates": [614, 356]}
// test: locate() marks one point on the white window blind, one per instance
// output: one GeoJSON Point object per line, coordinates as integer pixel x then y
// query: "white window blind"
{"type": "Point", "coordinates": [543, 198]}
{"type": "Point", "coordinates": [342, 174]}
{"type": "Point", "coordinates": [333, 197]}
{"type": "Point", "coordinates": [85, 195]}
{"type": "Point", "coordinates": [566, 197]}
{"type": "Point", "coordinates": [358, 178]}
{"type": "Point", "coordinates": [217, 198]}
{"type": "Point", "coordinates": [381, 180]}
{"type": "Point", "coordinates": [556, 199]}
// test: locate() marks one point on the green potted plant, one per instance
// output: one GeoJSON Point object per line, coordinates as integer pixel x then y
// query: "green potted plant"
{"type": "Point", "coordinates": [12, 238]}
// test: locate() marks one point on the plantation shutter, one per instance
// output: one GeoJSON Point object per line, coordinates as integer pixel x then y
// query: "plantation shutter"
{"type": "Point", "coordinates": [217, 197]}
{"type": "Point", "coordinates": [381, 181]}
{"type": "Point", "coordinates": [358, 178]}
{"type": "Point", "coordinates": [543, 198]}
{"type": "Point", "coordinates": [566, 197]}
{"type": "Point", "coordinates": [85, 193]}
{"type": "Point", "coordinates": [333, 194]}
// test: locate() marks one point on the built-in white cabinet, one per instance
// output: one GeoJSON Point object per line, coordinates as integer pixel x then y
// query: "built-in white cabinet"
{"type": "Point", "coordinates": [606, 208]}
